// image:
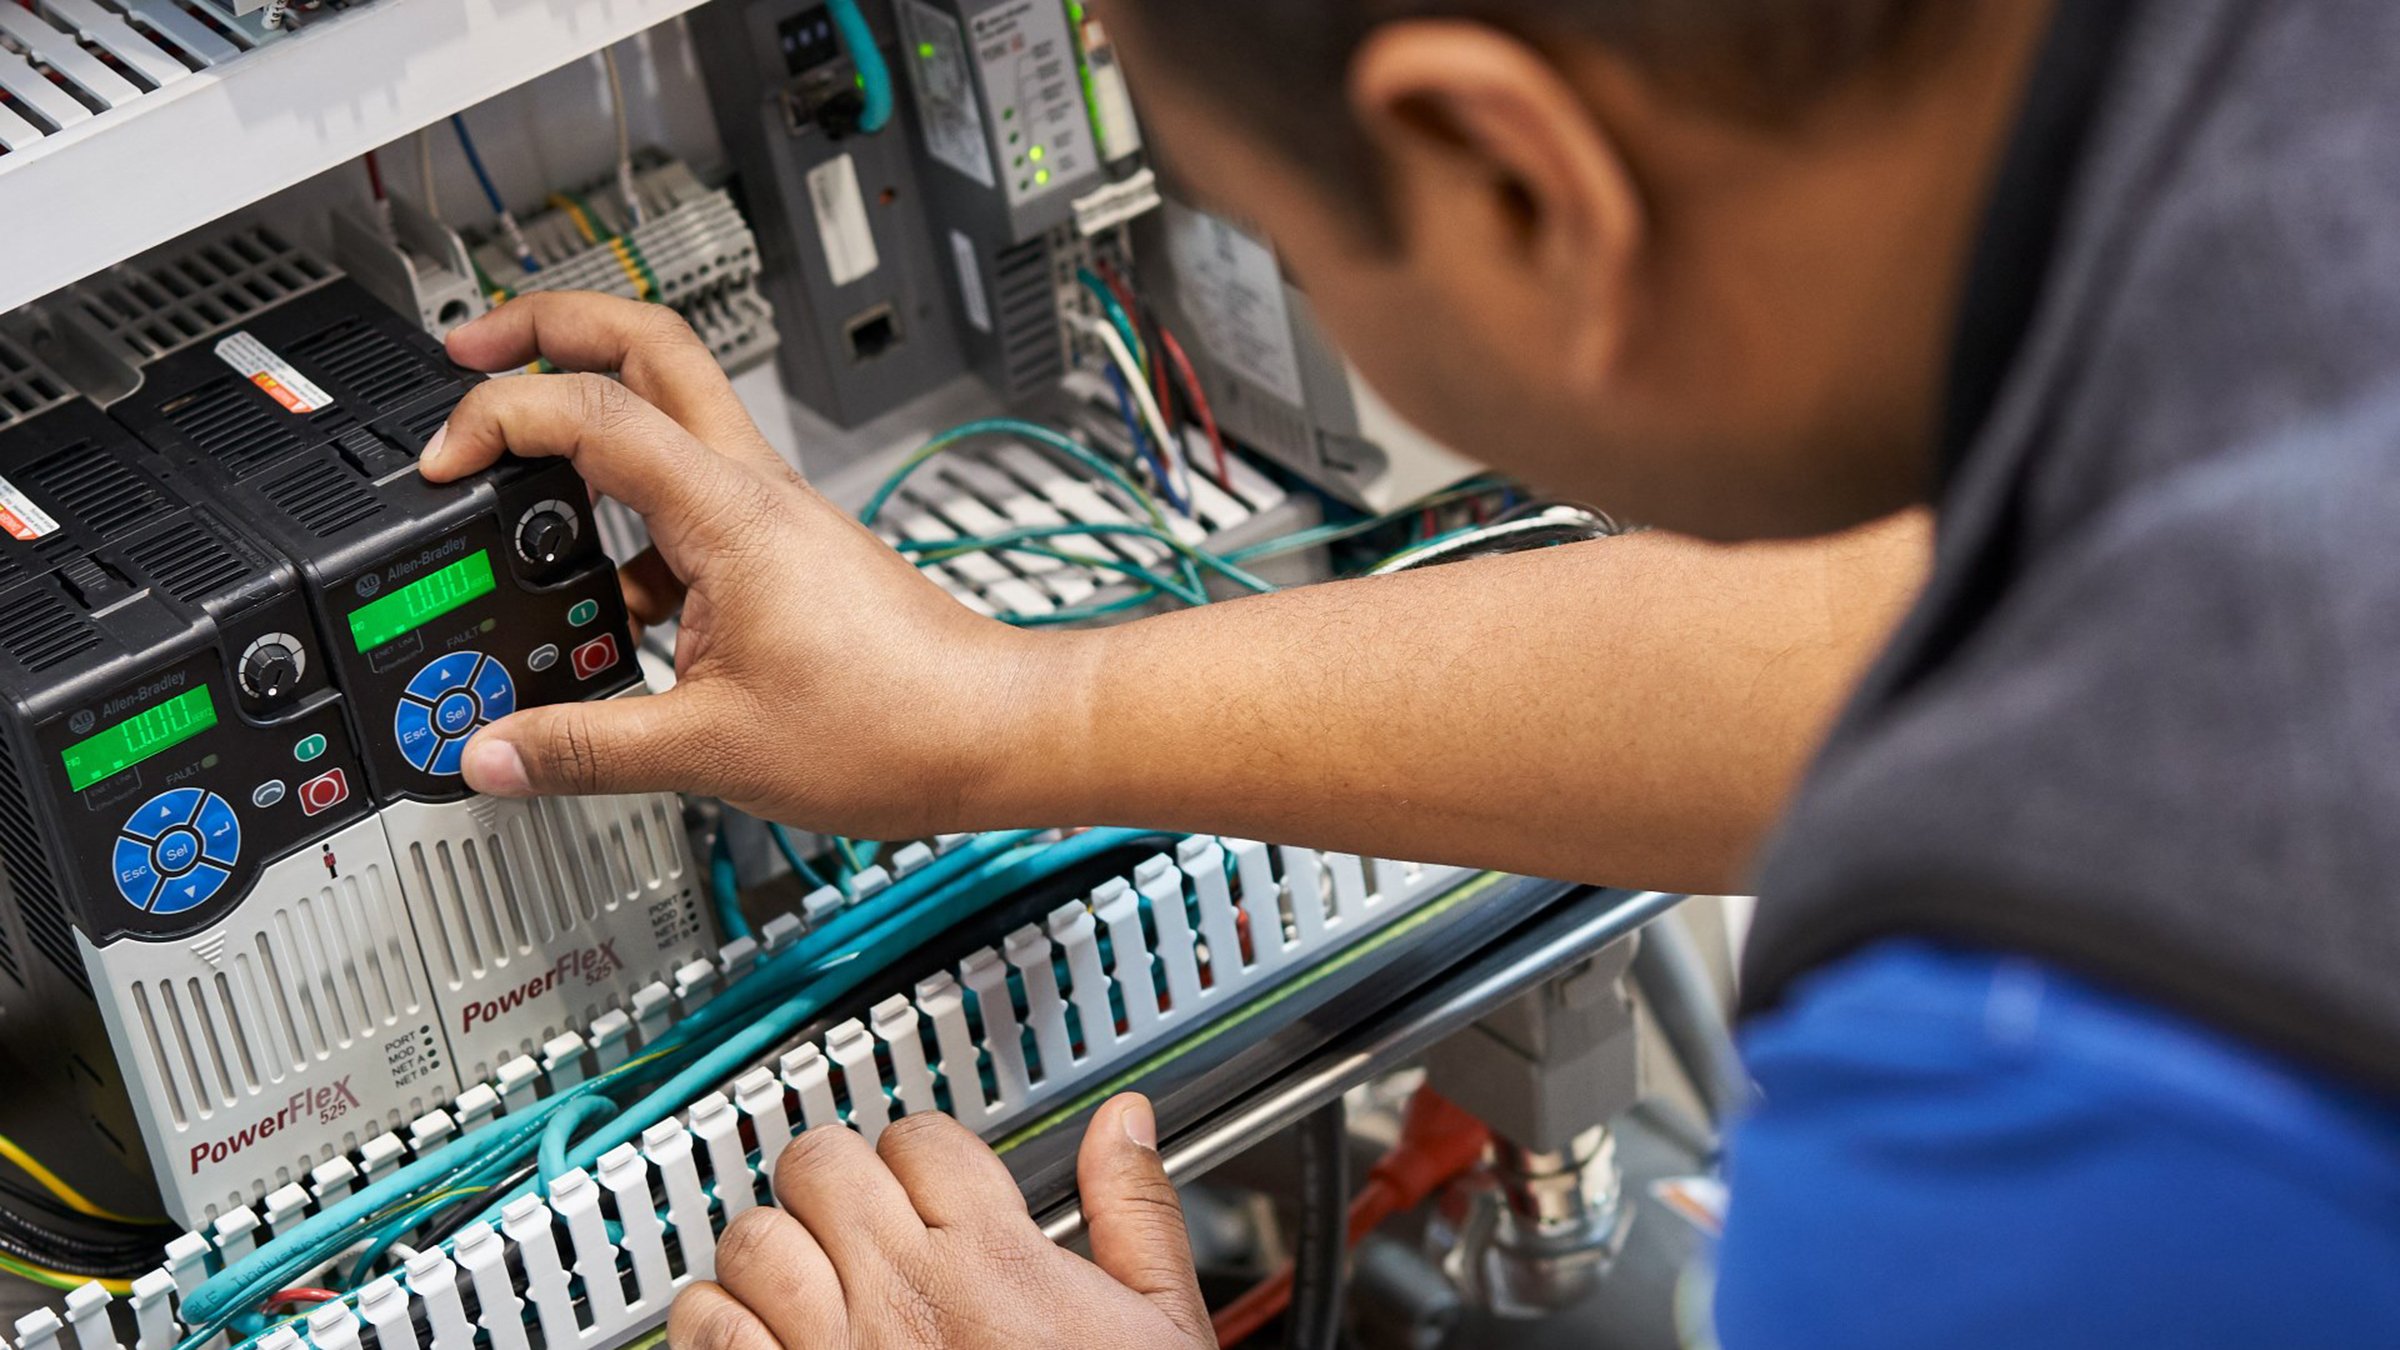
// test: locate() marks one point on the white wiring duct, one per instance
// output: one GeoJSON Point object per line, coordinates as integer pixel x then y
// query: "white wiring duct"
{"type": "Point", "coordinates": [616, 102]}
{"type": "Point", "coordinates": [1170, 450]}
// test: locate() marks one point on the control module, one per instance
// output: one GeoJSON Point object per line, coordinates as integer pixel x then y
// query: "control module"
{"type": "Point", "coordinates": [442, 608]}
{"type": "Point", "coordinates": [204, 946]}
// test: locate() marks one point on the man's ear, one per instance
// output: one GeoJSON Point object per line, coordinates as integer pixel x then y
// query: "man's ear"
{"type": "Point", "coordinates": [1500, 177]}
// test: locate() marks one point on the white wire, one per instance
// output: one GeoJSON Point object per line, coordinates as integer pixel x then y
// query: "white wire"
{"type": "Point", "coordinates": [616, 102]}
{"type": "Point", "coordinates": [1169, 451]}
{"type": "Point", "coordinates": [433, 201]}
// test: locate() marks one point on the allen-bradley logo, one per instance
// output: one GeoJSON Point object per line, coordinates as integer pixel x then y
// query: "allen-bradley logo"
{"type": "Point", "coordinates": [588, 965]}
{"type": "Point", "coordinates": [146, 693]}
{"type": "Point", "coordinates": [409, 567]}
{"type": "Point", "coordinates": [322, 1105]}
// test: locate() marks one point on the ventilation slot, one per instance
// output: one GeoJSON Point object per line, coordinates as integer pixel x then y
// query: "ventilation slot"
{"type": "Point", "coordinates": [11, 572]}
{"type": "Point", "coordinates": [228, 424]}
{"type": "Point", "coordinates": [427, 420]}
{"type": "Point", "coordinates": [40, 629]}
{"type": "Point", "coordinates": [323, 498]}
{"type": "Point", "coordinates": [29, 869]}
{"type": "Point", "coordinates": [1030, 352]}
{"type": "Point", "coordinates": [368, 362]}
{"type": "Point", "coordinates": [8, 957]}
{"type": "Point", "coordinates": [106, 495]}
{"type": "Point", "coordinates": [189, 562]}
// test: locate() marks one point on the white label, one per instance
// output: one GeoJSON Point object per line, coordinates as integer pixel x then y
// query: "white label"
{"type": "Point", "coordinates": [936, 49]}
{"type": "Point", "coordinates": [970, 281]}
{"type": "Point", "coordinates": [20, 515]}
{"type": "Point", "coordinates": [259, 364]}
{"type": "Point", "coordinates": [1232, 289]}
{"type": "Point", "coordinates": [842, 220]}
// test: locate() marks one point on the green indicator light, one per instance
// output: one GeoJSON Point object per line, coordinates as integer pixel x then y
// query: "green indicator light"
{"type": "Point", "coordinates": [1038, 153]}
{"type": "Point", "coordinates": [1008, 114]}
{"type": "Point", "coordinates": [1041, 176]}
{"type": "Point", "coordinates": [139, 737]}
{"type": "Point", "coordinates": [410, 608]}
{"type": "Point", "coordinates": [925, 50]}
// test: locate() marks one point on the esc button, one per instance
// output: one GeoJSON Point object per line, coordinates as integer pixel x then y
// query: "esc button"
{"type": "Point", "coordinates": [137, 879]}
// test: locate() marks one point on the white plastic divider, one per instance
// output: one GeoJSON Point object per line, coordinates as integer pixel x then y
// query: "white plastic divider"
{"type": "Point", "coordinates": [1146, 959]}
{"type": "Point", "coordinates": [97, 189]}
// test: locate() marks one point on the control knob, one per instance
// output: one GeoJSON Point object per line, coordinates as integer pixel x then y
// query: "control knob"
{"type": "Point", "coordinates": [547, 533]}
{"type": "Point", "coordinates": [272, 666]}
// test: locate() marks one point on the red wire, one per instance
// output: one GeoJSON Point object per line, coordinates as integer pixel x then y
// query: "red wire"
{"type": "Point", "coordinates": [304, 1294]}
{"type": "Point", "coordinates": [1208, 416]}
{"type": "Point", "coordinates": [1438, 1142]}
{"type": "Point", "coordinates": [375, 175]}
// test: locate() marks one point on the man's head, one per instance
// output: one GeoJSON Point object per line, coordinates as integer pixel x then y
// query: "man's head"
{"type": "Point", "coordinates": [1696, 260]}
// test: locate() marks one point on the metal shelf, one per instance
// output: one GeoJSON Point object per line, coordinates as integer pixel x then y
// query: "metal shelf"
{"type": "Point", "coordinates": [162, 160]}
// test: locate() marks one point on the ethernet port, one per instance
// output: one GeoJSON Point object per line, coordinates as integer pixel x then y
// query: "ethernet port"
{"type": "Point", "coordinates": [872, 334]}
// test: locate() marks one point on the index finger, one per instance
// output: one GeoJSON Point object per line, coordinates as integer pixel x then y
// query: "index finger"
{"type": "Point", "coordinates": [622, 446]}
{"type": "Point", "coordinates": [650, 346]}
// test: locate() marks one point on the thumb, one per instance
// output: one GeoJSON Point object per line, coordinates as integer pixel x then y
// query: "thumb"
{"type": "Point", "coordinates": [620, 745]}
{"type": "Point", "coordinates": [1134, 1216]}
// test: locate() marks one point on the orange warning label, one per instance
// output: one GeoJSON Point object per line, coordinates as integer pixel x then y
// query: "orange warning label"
{"type": "Point", "coordinates": [21, 516]}
{"type": "Point", "coordinates": [261, 366]}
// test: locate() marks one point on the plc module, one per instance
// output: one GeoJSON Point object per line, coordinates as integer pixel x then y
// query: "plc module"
{"type": "Point", "coordinates": [203, 946]}
{"type": "Point", "coordinates": [442, 608]}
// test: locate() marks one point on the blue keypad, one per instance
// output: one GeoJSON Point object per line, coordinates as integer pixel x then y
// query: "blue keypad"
{"type": "Point", "coordinates": [446, 702]}
{"type": "Point", "coordinates": [177, 851]}
{"type": "Point", "coordinates": [137, 879]}
{"type": "Point", "coordinates": [164, 811]}
{"type": "Point", "coordinates": [190, 891]}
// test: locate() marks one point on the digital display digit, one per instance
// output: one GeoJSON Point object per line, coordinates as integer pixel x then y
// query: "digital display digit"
{"type": "Point", "coordinates": [139, 737]}
{"type": "Point", "coordinates": [420, 602]}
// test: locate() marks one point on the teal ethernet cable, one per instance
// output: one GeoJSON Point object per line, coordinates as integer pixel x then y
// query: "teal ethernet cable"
{"type": "Point", "coordinates": [725, 890]}
{"type": "Point", "coordinates": [874, 73]}
{"type": "Point", "coordinates": [814, 879]}
{"type": "Point", "coordinates": [1116, 315]}
{"type": "Point", "coordinates": [935, 548]}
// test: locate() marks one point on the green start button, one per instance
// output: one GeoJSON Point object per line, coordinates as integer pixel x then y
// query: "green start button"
{"type": "Point", "coordinates": [309, 747]}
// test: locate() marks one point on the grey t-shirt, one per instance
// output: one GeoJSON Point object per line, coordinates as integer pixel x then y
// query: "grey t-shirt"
{"type": "Point", "coordinates": [2146, 720]}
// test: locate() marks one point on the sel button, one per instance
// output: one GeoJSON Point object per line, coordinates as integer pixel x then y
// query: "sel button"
{"type": "Point", "coordinates": [454, 714]}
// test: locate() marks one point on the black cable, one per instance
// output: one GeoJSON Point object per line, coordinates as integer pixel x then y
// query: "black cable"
{"type": "Point", "coordinates": [1320, 1254]}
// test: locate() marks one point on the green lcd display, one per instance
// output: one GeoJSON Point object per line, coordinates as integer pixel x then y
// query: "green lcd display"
{"type": "Point", "coordinates": [138, 738]}
{"type": "Point", "coordinates": [422, 601]}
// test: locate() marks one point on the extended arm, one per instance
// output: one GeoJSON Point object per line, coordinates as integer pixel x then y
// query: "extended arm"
{"type": "Point", "coordinates": [1631, 710]}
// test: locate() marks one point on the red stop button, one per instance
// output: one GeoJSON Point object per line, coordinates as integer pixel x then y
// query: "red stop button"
{"type": "Point", "coordinates": [595, 656]}
{"type": "Point", "coordinates": [324, 792]}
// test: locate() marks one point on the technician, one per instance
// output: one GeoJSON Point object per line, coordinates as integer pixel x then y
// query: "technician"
{"type": "Point", "coordinates": [2075, 992]}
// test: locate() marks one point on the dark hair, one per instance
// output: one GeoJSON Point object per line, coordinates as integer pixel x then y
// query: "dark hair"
{"type": "Point", "coordinates": [1282, 65]}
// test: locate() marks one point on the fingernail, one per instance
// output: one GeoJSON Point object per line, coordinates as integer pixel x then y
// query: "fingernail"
{"type": "Point", "coordinates": [427, 457]}
{"type": "Point", "coordinates": [494, 768]}
{"type": "Point", "coordinates": [1140, 1125]}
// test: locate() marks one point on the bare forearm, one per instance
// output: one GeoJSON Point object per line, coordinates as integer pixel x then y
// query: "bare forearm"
{"type": "Point", "coordinates": [1632, 711]}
